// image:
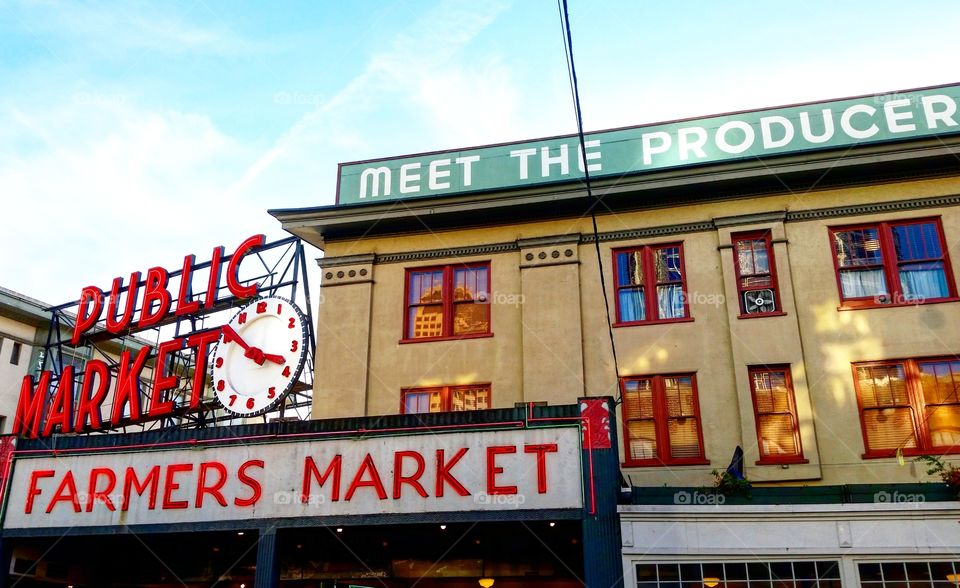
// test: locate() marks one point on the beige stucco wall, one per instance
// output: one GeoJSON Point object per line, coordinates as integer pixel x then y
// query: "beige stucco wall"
{"type": "Point", "coordinates": [563, 304]}
{"type": "Point", "coordinates": [12, 375]}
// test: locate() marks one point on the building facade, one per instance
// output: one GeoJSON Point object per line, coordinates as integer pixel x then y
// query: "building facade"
{"type": "Point", "coordinates": [799, 304]}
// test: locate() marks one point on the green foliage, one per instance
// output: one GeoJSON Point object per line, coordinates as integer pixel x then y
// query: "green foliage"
{"type": "Point", "coordinates": [724, 483]}
{"type": "Point", "coordinates": [949, 473]}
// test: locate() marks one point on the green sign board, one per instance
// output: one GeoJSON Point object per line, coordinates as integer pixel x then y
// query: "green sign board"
{"type": "Point", "coordinates": [910, 114]}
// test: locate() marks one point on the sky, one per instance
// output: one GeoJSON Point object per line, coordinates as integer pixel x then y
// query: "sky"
{"type": "Point", "coordinates": [132, 134]}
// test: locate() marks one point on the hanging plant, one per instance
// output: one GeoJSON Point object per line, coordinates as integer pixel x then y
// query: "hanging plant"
{"type": "Point", "coordinates": [949, 473]}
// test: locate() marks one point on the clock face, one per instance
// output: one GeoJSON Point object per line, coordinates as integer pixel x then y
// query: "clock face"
{"type": "Point", "coordinates": [259, 356]}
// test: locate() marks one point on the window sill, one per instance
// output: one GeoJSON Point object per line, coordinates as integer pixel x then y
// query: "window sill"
{"type": "Point", "coordinates": [686, 319]}
{"type": "Point", "coordinates": [761, 315]}
{"type": "Point", "coordinates": [863, 304]}
{"type": "Point", "coordinates": [911, 452]}
{"type": "Point", "coordinates": [781, 461]}
{"type": "Point", "coordinates": [453, 338]}
{"type": "Point", "coordinates": [648, 463]}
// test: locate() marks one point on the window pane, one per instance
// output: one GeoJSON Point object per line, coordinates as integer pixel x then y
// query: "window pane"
{"type": "Point", "coordinates": [916, 241]}
{"type": "Point", "coordinates": [777, 435]}
{"type": "Point", "coordinates": [944, 424]}
{"type": "Point", "coordinates": [882, 385]}
{"type": "Point", "coordinates": [632, 305]}
{"type": "Point", "coordinates": [670, 302]}
{"type": "Point", "coordinates": [940, 381]}
{"type": "Point", "coordinates": [470, 399]}
{"type": "Point", "coordinates": [638, 399]}
{"type": "Point", "coordinates": [426, 287]}
{"type": "Point", "coordinates": [470, 284]}
{"type": "Point", "coordinates": [771, 392]}
{"type": "Point", "coordinates": [471, 317]}
{"type": "Point", "coordinates": [921, 281]}
{"type": "Point", "coordinates": [643, 439]}
{"type": "Point", "coordinates": [425, 321]}
{"type": "Point", "coordinates": [666, 262]}
{"type": "Point", "coordinates": [679, 395]}
{"type": "Point", "coordinates": [863, 283]}
{"type": "Point", "coordinates": [630, 268]}
{"type": "Point", "coordinates": [858, 247]}
{"type": "Point", "coordinates": [756, 281]}
{"type": "Point", "coordinates": [889, 428]}
{"type": "Point", "coordinates": [422, 402]}
{"type": "Point", "coordinates": [684, 437]}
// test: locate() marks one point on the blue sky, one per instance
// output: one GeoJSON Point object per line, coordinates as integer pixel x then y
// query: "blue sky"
{"type": "Point", "coordinates": [132, 134]}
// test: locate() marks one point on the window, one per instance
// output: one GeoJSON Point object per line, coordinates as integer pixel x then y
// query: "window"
{"type": "Point", "coordinates": [743, 574]}
{"type": "Point", "coordinates": [651, 284]}
{"type": "Point", "coordinates": [775, 409]}
{"type": "Point", "coordinates": [15, 353]}
{"type": "Point", "coordinates": [446, 302]}
{"type": "Point", "coordinates": [661, 420]}
{"type": "Point", "coordinates": [911, 405]}
{"type": "Point", "coordinates": [896, 263]}
{"type": "Point", "coordinates": [756, 275]}
{"type": "Point", "coordinates": [445, 399]}
{"type": "Point", "coordinates": [920, 574]}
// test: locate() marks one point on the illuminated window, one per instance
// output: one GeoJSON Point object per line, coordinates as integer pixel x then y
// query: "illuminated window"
{"type": "Point", "coordinates": [743, 574]}
{"type": "Point", "coordinates": [445, 399]}
{"type": "Point", "coordinates": [895, 263]}
{"type": "Point", "coordinates": [911, 405]}
{"type": "Point", "coordinates": [919, 574]}
{"type": "Point", "coordinates": [775, 411]}
{"type": "Point", "coordinates": [661, 420]}
{"type": "Point", "coordinates": [650, 284]}
{"type": "Point", "coordinates": [756, 274]}
{"type": "Point", "coordinates": [447, 302]}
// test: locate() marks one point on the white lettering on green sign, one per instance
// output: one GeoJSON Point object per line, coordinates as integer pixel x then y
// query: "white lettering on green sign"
{"type": "Point", "coordinates": [837, 124]}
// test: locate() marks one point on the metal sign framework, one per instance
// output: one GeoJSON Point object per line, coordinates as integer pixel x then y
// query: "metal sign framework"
{"type": "Point", "coordinates": [279, 268]}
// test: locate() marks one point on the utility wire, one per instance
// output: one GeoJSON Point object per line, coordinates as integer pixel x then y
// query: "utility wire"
{"type": "Point", "coordinates": [594, 200]}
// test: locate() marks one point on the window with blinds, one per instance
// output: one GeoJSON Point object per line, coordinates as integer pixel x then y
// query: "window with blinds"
{"type": "Point", "coordinates": [445, 399]}
{"type": "Point", "coordinates": [774, 405]}
{"type": "Point", "coordinates": [447, 302]}
{"type": "Point", "coordinates": [661, 420]}
{"type": "Point", "coordinates": [909, 405]}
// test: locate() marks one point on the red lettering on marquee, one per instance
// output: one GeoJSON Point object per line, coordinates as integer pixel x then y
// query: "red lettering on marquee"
{"type": "Point", "coordinates": [61, 409]}
{"type": "Point", "coordinates": [541, 451]}
{"type": "Point", "coordinates": [170, 485]}
{"type": "Point", "coordinates": [128, 386]}
{"type": "Point", "coordinates": [493, 470]}
{"type": "Point", "coordinates": [400, 479]}
{"type": "Point", "coordinates": [233, 283]}
{"type": "Point", "coordinates": [133, 291]}
{"type": "Point", "coordinates": [200, 342]}
{"type": "Point", "coordinates": [311, 472]}
{"type": "Point", "coordinates": [215, 488]}
{"type": "Point", "coordinates": [66, 492]}
{"type": "Point", "coordinates": [103, 495]}
{"type": "Point", "coordinates": [154, 291]}
{"type": "Point", "coordinates": [213, 283]}
{"type": "Point", "coordinates": [33, 491]}
{"type": "Point", "coordinates": [86, 317]}
{"type": "Point", "coordinates": [31, 405]}
{"type": "Point", "coordinates": [184, 304]}
{"type": "Point", "coordinates": [130, 482]}
{"type": "Point", "coordinates": [255, 489]}
{"type": "Point", "coordinates": [162, 383]}
{"type": "Point", "coordinates": [88, 406]}
{"type": "Point", "coordinates": [444, 476]}
{"type": "Point", "coordinates": [368, 466]}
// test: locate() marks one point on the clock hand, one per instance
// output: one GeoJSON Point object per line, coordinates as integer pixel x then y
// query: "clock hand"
{"type": "Point", "coordinates": [254, 353]}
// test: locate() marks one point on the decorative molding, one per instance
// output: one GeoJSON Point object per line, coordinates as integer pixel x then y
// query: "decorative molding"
{"type": "Point", "coordinates": [549, 251]}
{"type": "Point", "coordinates": [774, 216]}
{"type": "Point", "coordinates": [448, 252]}
{"type": "Point", "coordinates": [363, 258]}
{"type": "Point", "coordinates": [873, 208]}
{"type": "Point", "coordinates": [652, 232]}
{"type": "Point", "coordinates": [548, 241]}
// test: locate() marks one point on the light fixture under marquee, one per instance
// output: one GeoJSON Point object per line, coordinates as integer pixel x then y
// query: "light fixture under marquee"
{"type": "Point", "coordinates": [711, 582]}
{"type": "Point", "coordinates": [486, 582]}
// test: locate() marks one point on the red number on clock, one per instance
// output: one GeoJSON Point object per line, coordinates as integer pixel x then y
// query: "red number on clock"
{"type": "Point", "coordinates": [292, 322]}
{"type": "Point", "coordinates": [271, 392]}
{"type": "Point", "coordinates": [242, 318]}
{"type": "Point", "coordinates": [219, 362]}
{"type": "Point", "coordinates": [250, 403]}
{"type": "Point", "coordinates": [294, 344]}
{"type": "Point", "coordinates": [286, 372]}
{"type": "Point", "coordinates": [261, 307]}
{"type": "Point", "coordinates": [220, 385]}
{"type": "Point", "coordinates": [233, 398]}
{"type": "Point", "coordinates": [279, 308]}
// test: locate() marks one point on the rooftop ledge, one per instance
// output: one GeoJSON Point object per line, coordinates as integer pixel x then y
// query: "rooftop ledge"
{"type": "Point", "coordinates": [819, 170]}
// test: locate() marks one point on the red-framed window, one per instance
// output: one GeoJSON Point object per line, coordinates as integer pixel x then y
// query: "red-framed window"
{"type": "Point", "coordinates": [756, 270]}
{"type": "Point", "coordinates": [661, 420]}
{"type": "Point", "coordinates": [910, 404]}
{"type": "Point", "coordinates": [651, 284]}
{"type": "Point", "coordinates": [446, 302]}
{"type": "Point", "coordinates": [775, 412]}
{"type": "Point", "coordinates": [892, 264]}
{"type": "Point", "coordinates": [445, 399]}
